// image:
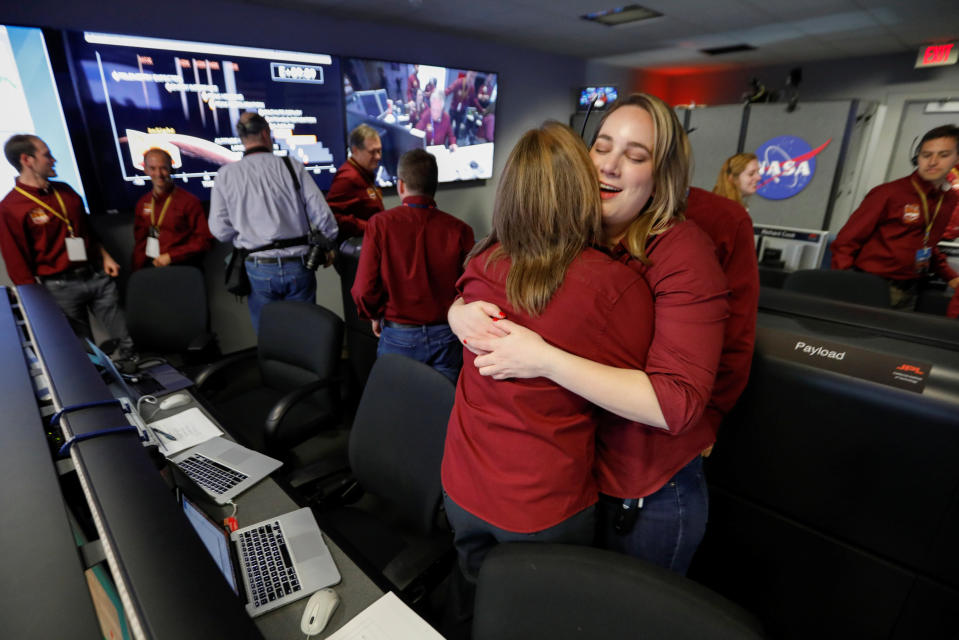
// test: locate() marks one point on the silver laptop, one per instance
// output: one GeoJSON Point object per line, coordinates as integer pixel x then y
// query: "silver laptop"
{"type": "Point", "coordinates": [277, 561]}
{"type": "Point", "coordinates": [224, 469]}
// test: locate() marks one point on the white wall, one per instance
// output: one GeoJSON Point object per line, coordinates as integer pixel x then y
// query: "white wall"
{"type": "Point", "coordinates": [533, 86]}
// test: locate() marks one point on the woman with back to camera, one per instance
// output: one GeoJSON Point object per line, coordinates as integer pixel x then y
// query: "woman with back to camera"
{"type": "Point", "coordinates": [738, 177]}
{"type": "Point", "coordinates": [519, 455]}
{"type": "Point", "coordinates": [649, 469]}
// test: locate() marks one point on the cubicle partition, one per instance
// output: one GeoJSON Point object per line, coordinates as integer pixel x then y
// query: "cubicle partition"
{"type": "Point", "coordinates": [834, 494]}
{"type": "Point", "coordinates": [43, 587]}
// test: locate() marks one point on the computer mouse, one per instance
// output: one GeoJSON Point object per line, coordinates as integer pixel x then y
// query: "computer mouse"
{"type": "Point", "coordinates": [319, 610]}
{"type": "Point", "coordinates": [174, 401]}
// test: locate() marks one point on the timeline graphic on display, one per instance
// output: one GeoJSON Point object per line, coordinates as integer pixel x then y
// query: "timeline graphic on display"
{"type": "Point", "coordinates": [185, 98]}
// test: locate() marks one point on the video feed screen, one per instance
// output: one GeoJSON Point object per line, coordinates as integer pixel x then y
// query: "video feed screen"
{"type": "Point", "coordinates": [186, 97]}
{"type": "Point", "coordinates": [449, 112]}
{"type": "Point", "coordinates": [603, 96]}
{"type": "Point", "coordinates": [30, 103]}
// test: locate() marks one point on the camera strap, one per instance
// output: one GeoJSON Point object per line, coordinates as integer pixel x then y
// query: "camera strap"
{"type": "Point", "coordinates": [299, 193]}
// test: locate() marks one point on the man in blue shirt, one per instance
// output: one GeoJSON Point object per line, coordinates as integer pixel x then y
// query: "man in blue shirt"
{"type": "Point", "coordinates": [258, 206]}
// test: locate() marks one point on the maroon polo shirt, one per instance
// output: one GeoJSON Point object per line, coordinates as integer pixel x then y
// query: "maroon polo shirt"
{"type": "Point", "coordinates": [691, 308]}
{"type": "Point", "coordinates": [184, 233]}
{"type": "Point", "coordinates": [519, 453]}
{"type": "Point", "coordinates": [354, 198]}
{"type": "Point", "coordinates": [411, 259]}
{"type": "Point", "coordinates": [437, 131]}
{"type": "Point", "coordinates": [883, 235]}
{"type": "Point", "coordinates": [33, 239]}
{"type": "Point", "coordinates": [730, 228]}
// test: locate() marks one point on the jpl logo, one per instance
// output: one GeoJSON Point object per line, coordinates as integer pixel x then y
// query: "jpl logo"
{"type": "Point", "coordinates": [786, 166]}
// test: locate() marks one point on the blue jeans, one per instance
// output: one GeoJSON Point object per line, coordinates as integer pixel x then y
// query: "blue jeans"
{"type": "Point", "coordinates": [273, 282]}
{"type": "Point", "coordinates": [669, 525]}
{"type": "Point", "coordinates": [474, 537]}
{"type": "Point", "coordinates": [434, 345]}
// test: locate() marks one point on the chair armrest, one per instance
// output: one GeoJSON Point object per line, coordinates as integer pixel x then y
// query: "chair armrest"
{"type": "Point", "coordinates": [201, 342]}
{"type": "Point", "coordinates": [287, 402]}
{"type": "Point", "coordinates": [218, 367]}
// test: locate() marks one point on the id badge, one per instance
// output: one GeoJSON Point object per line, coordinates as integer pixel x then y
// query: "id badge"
{"type": "Point", "coordinates": [76, 250]}
{"type": "Point", "coordinates": [153, 247]}
{"type": "Point", "coordinates": [922, 259]}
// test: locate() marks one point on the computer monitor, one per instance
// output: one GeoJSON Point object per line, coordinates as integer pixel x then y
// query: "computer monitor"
{"type": "Point", "coordinates": [789, 248]}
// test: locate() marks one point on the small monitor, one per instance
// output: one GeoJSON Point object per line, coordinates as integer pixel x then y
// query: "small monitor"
{"type": "Point", "coordinates": [600, 97]}
{"type": "Point", "coordinates": [789, 248]}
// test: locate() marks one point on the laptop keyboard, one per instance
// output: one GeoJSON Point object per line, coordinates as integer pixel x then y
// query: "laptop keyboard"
{"type": "Point", "coordinates": [211, 475]}
{"type": "Point", "coordinates": [269, 566]}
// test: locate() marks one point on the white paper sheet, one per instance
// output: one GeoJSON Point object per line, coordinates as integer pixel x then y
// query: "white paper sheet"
{"type": "Point", "coordinates": [387, 619]}
{"type": "Point", "coordinates": [190, 428]}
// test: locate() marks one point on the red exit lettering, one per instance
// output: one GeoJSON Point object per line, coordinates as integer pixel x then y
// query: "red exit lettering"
{"type": "Point", "coordinates": [936, 53]}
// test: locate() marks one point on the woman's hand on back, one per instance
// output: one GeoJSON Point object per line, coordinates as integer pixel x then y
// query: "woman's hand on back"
{"type": "Point", "coordinates": [521, 353]}
{"type": "Point", "coordinates": [474, 321]}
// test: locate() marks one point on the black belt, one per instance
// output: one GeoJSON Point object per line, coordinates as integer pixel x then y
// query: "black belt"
{"type": "Point", "coordinates": [403, 325]}
{"type": "Point", "coordinates": [275, 260]}
{"type": "Point", "coordinates": [82, 272]}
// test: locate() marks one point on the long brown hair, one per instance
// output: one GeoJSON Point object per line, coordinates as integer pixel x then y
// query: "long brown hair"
{"type": "Point", "coordinates": [729, 175]}
{"type": "Point", "coordinates": [671, 163]}
{"type": "Point", "coordinates": [547, 211]}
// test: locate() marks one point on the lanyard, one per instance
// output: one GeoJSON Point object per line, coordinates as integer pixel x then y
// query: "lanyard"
{"type": "Point", "coordinates": [63, 208]}
{"type": "Point", "coordinates": [925, 210]}
{"type": "Point", "coordinates": [166, 205]}
{"type": "Point", "coordinates": [417, 205]}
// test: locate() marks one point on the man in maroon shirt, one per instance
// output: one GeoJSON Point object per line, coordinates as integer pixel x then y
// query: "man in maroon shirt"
{"type": "Point", "coordinates": [411, 259]}
{"type": "Point", "coordinates": [894, 232]}
{"type": "Point", "coordinates": [168, 223]}
{"type": "Point", "coordinates": [354, 196]}
{"type": "Point", "coordinates": [464, 95]}
{"type": "Point", "coordinates": [436, 124]}
{"type": "Point", "coordinates": [44, 236]}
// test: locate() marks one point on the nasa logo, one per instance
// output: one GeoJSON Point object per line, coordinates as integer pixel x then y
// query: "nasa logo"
{"type": "Point", "coordinates": [786, 166]}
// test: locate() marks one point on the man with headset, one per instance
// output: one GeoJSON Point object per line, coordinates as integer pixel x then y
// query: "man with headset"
{"type": "Point", "coordinates": [894, 232]}
{"type": "Point", "coordinates": [266, 205]}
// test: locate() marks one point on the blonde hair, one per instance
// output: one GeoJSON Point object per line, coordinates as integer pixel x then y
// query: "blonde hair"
{"type": "Point", "coordinates": [671, 165]}
{"type": "Point", "coordinates": [547, 211]}
{"type": "Point", "coordinates": [729, 174]}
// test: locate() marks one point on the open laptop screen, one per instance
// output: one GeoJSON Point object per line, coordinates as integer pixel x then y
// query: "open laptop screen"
{"type": "Point", "coordinates": [214, 537]}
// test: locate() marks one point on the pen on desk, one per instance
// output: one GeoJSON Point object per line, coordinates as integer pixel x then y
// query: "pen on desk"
{"type": "Point", "coordinates": [168, 436]}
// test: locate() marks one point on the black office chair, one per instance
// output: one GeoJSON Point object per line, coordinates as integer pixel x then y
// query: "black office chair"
{"type": "Point", "coordinates": [286, 391]}
{"type": "Point", "coordinates": [854, 287]}
{"type": "Point", "coordinates": [167, 315]}
{"type": "Point", "coordinates": [532, 590]}
{"type": "Point", "coordinates": [398, 527]}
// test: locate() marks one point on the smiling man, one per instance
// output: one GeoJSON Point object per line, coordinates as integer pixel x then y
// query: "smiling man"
{"type": "Point", "coordinates": [354, 196]}
{"type": "Point", "coordinates": [45, 238]}
{"type": "Point", "coordinates": [894, 232]}
{"type": "Point", "coordinates": [169, 226]}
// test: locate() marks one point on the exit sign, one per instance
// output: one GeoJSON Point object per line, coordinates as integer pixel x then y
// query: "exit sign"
{"type": "Point", "coordinates": [937, 55]}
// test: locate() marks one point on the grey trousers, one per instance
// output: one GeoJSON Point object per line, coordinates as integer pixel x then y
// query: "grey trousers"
{"type": "Point", "coordinates": [98, 295]}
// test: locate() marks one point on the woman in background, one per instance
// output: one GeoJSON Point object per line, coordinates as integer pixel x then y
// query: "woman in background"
{"type": "Point", "coordinates": [649, 468]}
{"type": "Point", "coordinates": [518, 459]}
{"type": "Point", "coordinates": [738, 177]}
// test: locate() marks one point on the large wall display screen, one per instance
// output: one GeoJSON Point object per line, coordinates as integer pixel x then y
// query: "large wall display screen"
{"type": "Point", "coordinates": [185, 97]}
{"type": "Point", "coordinates": [30, 103]}
{"type": "Point", "coordinates": [449, 112]}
